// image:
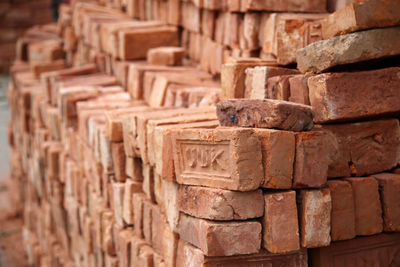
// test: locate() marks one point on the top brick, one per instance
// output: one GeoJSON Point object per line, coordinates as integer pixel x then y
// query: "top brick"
{"type": "Point", "coordinates": [361, 16]}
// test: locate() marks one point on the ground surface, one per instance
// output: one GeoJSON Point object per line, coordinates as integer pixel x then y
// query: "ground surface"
{"type": "Point", "coordinates": [11, 247]}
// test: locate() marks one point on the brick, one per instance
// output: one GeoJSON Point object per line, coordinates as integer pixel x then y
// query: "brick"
{"type": "Point", "coordinates": [147, 221]}
{"type": "Point", "coordinates": [299, 89]}
{"type": "Point", "coordinates": [286, 6]}
{"type": "Point", "coordinates": [278, 151]}
{"type": "Point", "coordinates": [361, 16]}
{"type": "Point", "coordinates": [131, 187]}
{"type": "Point", "coordinates": [170, 203]}
{"type": "Point", "coordinates": [278, 87]}
{"type": "Point", "coordinates": [166, 56]}
{"type": "Point", "coordinates": [355, 252]}
{"type": "Point", "coordinates": [257, 84]}
{"type": "Point", "coordinates": [339, 91]}
{"type": "Point", "coordinates": [148, 182]}
{"type": "Point", "coordinates": [350, 48]}
{"type": "Point", "coordinates": [218, 204]}
{"type": "Point", "coordinates": [368, 210]}
{"type": "Point", "coordinates": [363, 148]}
{"type": "Point", "coordinates": [265, 113]}
{"type": "Point", "coordinates": [134, 44]}
{"type": "Point", "coordinates": [221, 238]}
{"type": "Point", "coordinates": [315, 217]}
{"type": "Point", "coordinates": [118, 199]}
{"type": "Point", "coordinates": [118, 158]}
{"type": "Point", "coordinates": [138, 199]}
{"type": "Point", "coordinates": [311, 159]}
{"type": "Point", "coordinates": [343, 211]}
{"type": "Point", "coordinates": [231, 154]}
{"type": "Point", "coordinates": [133, 168]}
{"type": "Point", "coordinates": [40, 67]}
{"type": "Point", "coordinates": [191, 256]}
{"type": "Point", "coordinates": [389, 188]}
{"type": "Point", "coordinates": [280, 222]}
{"type": "Point", "coordinates": [163, 156]}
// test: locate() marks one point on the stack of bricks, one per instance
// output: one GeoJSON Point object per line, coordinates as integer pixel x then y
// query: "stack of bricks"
{"type": "Point", "coordinates": [15, 18]}
{"type": "Point", "coordinates": [122, 153]}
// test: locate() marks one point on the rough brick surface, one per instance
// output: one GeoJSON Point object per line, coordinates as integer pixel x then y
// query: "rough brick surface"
{"type": "Point", "coordinates": [280, 222]}
{"type": "Point", "coordinates": [354, 95]}
{"type": "Point", "coordinates": [221, 238]}
{"type": "Point", "coordinates": [315, 217]}
{"type": "Point", "coordinates": [368, 208]}
{"type": "Point", "coordinates": [266, 113]}
{"type": "Point", "coordinates": [219, 204]}
{"type": "Point", "coordinates": [389, 188]}
{"type": "Point", "coordinates": [343, 212]}
{"type": "Point", "coordinates": [350, 48]}
{"type": "Point", "coordinates": [226, 158]}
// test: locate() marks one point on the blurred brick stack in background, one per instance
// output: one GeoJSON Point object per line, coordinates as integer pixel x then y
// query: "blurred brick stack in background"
{"type": "Point", "coordinates": [16, 16]}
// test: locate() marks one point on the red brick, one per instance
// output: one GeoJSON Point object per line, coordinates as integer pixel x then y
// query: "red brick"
{"type": "Point", "coordinates": [168, 56]}
{"type": "Point", "coordinates": [226, 158]}
{"type": "Point", "coordinates": [221, 238]}
{"type": "Point", "coordinates": [311, 160]}
{"type": "Point", "coordinates": [350, 96]}
{"type": "Point", "coordinates": [278, 151]}
{"type": "Point", "coordinates": [267, 113]}
{"type": "Point", "coordinates": [138, 199]}
{"type": "Point", "coordinates": [368, 208]}
{"type": "Point", "coordinates": [315, 217]}
{"type": "Point", "coordinates": [219, 204]}
{"type": "Point", "coordinates": [343, 211]}
{"type": "Point", "coordinates": [363, 148]}
{"type": "Point", "coordinates": [280, 222]}
{"type": "Point", "coordinates": [389, 188]}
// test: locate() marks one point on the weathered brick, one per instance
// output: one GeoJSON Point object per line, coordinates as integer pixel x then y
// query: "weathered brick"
{"type": "Point", "coordinates": [226, 158]}
{"type": "Point", "coordinates": [389, 188]}
{"type": "Point", "coordinates": [278, 151]}
{"type": "Point", "coordinates": [219, 204]}
{"type": "Point", "coordinates": [343, 211]}
{"type": "Point", "coordinates": [221, 238]}
{"type": "Point", "coordinates": [265, 113]}
{"type": "Point", "coordinates": [311, 160]}
{"type": "Point", "coordinates": [347, 49]}
{"type": "Point", "coordinates": [364, 148]}
{"type": "Point", "coordinates": [315, 217]}
{"type": "Point", "coordinates": [280, 222]}
{"type": "Point", "coordinates": [354, 95]}
{"type": "Point", "coordinates": [367, 205]}
{"type": "Point", "coordinates": [167, 56]}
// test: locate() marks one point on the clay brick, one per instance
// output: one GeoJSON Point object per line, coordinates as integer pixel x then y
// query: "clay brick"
{"type": "Point", "coordinates": [265, 113]}
{"type": "Point", "coordinates": [147, 221]}
{"type": "Point", "coordinates": [311, 159]}
{"type": "Point", "coordinates": [133, 168]}
{"type": "Point", "coordinates": [118, 199]}
{"type": "Point", "coordinates": [350, 48]}
{"type": "Point", "coordinates": [358, 251]}
{"type": "Point", "coordinates": [287, 5]}
{"type": "Point", "coordinates": [278, 87]}
{"type": "Point", "coordinates": [363, 148]}
{"type": "Point", "coordinates": [368, 210]}
{"type": "Point", "coordinates": [148, 182]}
{"type": "Point", "coordinates": [138, 199]}
{"type": "Point", "coordinates": [170, 203]}
{"type": "Point", "coordinates": [278, 151]}
{"type": "Point", "coordinates": [340, 91]}
{"type": "Point", "coordinates": [361, 16]}
{"type": "Point", "coordinates": [280, 222]}
{"type": "Point", "coordinates": [299, 89]}
{"type": "Point", "coordinates": [131, 187]}
{"type": "Point", "coordinates": [221, 238]}
{"type": "Point", "coordinates": [343, 211]}
{"type": "Point", "coordinates": [163, 156]}
{"type": "Point", "coordinates": [40, 67]}
{"type": "Point", "coordinates": [189, 255]}
{"type": "Point", "coordinates": [134, 44]}
{"type": "Point", "coordinates": [218, 204]}
{"type": "Point", "coordinates": [123, 247]}
{"type": "Point", "coordinates": [233, 155]}
{"type": "Point", "coordinates": [118, 157]}
{"type": "Point", "coordinates": [167, 56]}
{"type": "Point", "coordinates": [314, 217]}
{"type": "Point", "coordinates": [257, 77]}
{"type": "Point", "coordinates": [389, 188]}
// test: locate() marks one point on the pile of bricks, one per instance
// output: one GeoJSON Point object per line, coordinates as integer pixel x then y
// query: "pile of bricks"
{"type": "Point", "coordinates": [179, 133]}
{"type": "Point", "coordinates": [15, 18]}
